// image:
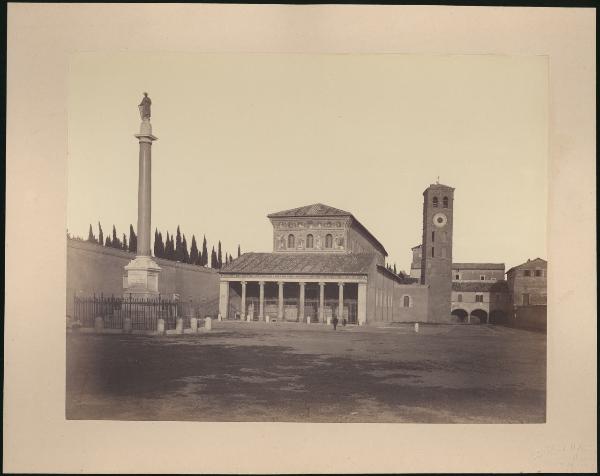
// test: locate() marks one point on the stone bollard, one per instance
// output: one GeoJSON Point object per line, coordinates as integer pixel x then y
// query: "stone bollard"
{"type": "Point", "coordinates": [220, 317]}
{"type": "Point", "coordinates": [127, 325]}
{"type": "Point", "coordinates": [194, 324]}
{"type": "Point", "coordinates": [267, 319]}
{"type": "Point", "coordinates": [416, 327]}
{"type": "Point", "coordinates": [249, 318]}
{"type": "Point", "coordinates": [308, 319]}
{"type": "Point", "coordinates": [207, 323]}
{"type": "Point", "coordinates": [179, 326]}
{"type": "Point", "coordinates": [160, 326]}
{"type": "Point", "coordinates": [99, 324]}
{"type": "Point", "coordinates": [328, 320]}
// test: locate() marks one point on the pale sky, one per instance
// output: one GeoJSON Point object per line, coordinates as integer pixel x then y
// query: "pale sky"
{"type": "Point", "coordinates": [241, 136]}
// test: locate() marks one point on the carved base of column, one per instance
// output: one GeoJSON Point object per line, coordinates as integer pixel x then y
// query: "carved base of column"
{"type": "Point", "coordinates": [141, 280]}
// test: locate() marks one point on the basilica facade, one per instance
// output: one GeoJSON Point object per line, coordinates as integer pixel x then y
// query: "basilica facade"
{"type": "Point", "coordinates": [325, 263]}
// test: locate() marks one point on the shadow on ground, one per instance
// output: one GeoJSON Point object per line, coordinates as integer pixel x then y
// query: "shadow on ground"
{"type": "Point", "coordinates": [248, 375]}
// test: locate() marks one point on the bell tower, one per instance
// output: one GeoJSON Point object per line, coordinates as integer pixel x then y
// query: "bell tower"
{"type": "Point", "coordinates": [436, 259]}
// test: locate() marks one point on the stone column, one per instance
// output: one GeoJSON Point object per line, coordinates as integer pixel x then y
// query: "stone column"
{"type": "Point", "coordinates": [321, 302]}
{"type": "Point", "coordinates": [362, 304]}
{"type": "Point", "coordinates": [341, 302]}
{"type": "Point", "coordinates": [301, 303]}
{"type": "Point", "coordinates": [261, 300]}
{"type": "Point", "coordinates": [243, 313]}
{"type": "Point", "coordinates": [223, 299]}
{"type": "Point", "coordinates": [142, 272]}
{"type": "Point", "coordinates": [280, 308]}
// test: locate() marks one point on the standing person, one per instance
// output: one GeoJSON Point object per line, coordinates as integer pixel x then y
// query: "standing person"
{"type": "Point", "coordinates": [335, 323]}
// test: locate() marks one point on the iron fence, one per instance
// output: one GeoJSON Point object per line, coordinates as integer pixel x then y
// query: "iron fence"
{"type": "Point", "coordinates": [143, 313]}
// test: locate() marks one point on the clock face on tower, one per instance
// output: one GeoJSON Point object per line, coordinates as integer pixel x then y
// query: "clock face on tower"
{"type": "Point", "coordinates": [440, 220]}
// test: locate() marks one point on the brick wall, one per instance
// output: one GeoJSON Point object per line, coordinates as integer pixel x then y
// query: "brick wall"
{"type": "Point", "coordinates": [97, 269]}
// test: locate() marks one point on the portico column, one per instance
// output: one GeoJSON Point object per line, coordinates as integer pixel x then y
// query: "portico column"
{"type": "Point", "coordinates": [243, 313]}
{"type": "Point", "coordinates": [301, 304]}
{"type": "Point", "coordinates": [362, 303]}
{"type": "Point", "coordinates": [321, 302]}
{"type": "Point", "coordinates": [341, 301]}
{"type": "Point", "coordinates": [261, 301]}
{"type": "Point", "coordinates": [223, 298]}
{"type": "Point", "coordinates": [280, 308]}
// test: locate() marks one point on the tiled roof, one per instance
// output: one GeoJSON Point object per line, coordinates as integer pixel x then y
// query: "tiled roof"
{"type": "Point", "coordinates": [481, 286]}
{"type": "Point", "coordinates": [300, 263]}
{"type": "Point", "coordinates": [315, 210]}
{"type": "Point", "coordinates": [528, 263]}
{"type": "Point", "coordinates": [499, 266]}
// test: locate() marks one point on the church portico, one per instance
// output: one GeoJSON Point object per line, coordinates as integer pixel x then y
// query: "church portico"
{"type": "Point", "coordinates": [302, 299]}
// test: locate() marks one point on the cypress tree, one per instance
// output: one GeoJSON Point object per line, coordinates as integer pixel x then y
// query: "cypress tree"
{"type": "Point", "coordinates": [213, 259]}
{"type": "Point", "coordinates": [91, 237]}
{"type": "Point", "coordinates": [395, 272]}
{"type": "Point", "coordinates": [107, 242]}
{"type": "Point", "coordinates": [184, 251]}
{"type": "Point", "coordinates": [219, 256]}
{"type": "Point", "coordinates": [116, 243]}
{"type": "Point", "coordinates": [124, 242]}
{"type": "Point", "coordinates": [156, 252]}
{"type": "Point", "coordinates": [168, 247]}
{"type": "Point", "coordinates": [100, 234]}
{"type": "Point", "coordinates": [204, 252]}
{"type": "Point", "coordinates": [239, 251]}
{"type": "Point", "coordinates": [194, 251]}
{"type": "Point", "coordinates": [178, 249]}
{"type": "Point", "coordinates": [132, 240]}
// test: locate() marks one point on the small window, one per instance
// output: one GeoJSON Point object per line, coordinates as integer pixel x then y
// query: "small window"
{"type": "Point", "coordinates": [525, 299]}
{"type": "Point", "coordinates": [291, 241]}
{"type": "Point", "coordinates": [527, 272]}
{"type": "Point", "coordinates": [328, 241]}
{"type": "Point", "coordinates": [435, 202]}
{"type": "Point", "coordinates": [432, 236]}
{"type": "Point", "coordinates": [406, 301]}
{"type": "Point", "coordinates": [432, 252]}
{"type": "Point", "coordinates": [457, 276]}
{"type": "Point", "coordinates": [459, 298]}
{"type": "Point", "coordinates": [445, 202]}
{"type": "Point", "coordinates": [309, 241]}
{"type": "Point", "coordinates": [479, 298]}
{"type": "Point", "coordinates": [482, 277]}
{"type": "Point", "coordinates": [538, 273]}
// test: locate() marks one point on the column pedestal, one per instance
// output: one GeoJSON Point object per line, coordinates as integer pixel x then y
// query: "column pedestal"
{"type": "Point", "coordinates": [141, 281]}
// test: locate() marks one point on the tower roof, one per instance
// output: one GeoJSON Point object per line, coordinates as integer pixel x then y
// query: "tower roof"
{"type": "Point", "coordinates": [438, 186]}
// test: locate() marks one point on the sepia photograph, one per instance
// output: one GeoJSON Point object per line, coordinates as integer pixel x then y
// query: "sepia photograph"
{"type": "Point", "coordinates": [299, 239]}
{"type": "Point", "coordinates": [309, 238]}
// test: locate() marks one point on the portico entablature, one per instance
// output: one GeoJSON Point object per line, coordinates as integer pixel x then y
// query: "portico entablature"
{"type": "Point", "coordinates": [291, 278]}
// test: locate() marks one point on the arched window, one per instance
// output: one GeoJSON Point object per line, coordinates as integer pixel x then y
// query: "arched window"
{"type": "Point", "coordinates": [445, 202]}
{"type": "Point", "coordinates": [406, 301]}
{"type": "Point", "coordinates": [291, 241]}
{"type": "Point", "coordinates": [435, 202]}
{"type": "Point", "coordinates": [309, 241]}
{"type": "Point", "coordinates": [328, 241]}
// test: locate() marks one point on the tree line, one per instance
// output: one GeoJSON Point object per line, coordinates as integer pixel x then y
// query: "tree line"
{"type": "Point", "coordinates": [174, 247]}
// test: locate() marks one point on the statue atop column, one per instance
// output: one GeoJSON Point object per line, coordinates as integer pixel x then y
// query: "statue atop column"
{"type": "Point", "coordinates": [144, 107]}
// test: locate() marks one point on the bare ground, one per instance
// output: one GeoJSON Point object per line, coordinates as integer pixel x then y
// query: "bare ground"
{"type": "Point", "coordinates": [294, 372]}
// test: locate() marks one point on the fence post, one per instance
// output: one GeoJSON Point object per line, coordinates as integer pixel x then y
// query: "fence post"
{"type": "Point", "coordinates": [207, 323]}
{"type": "Point", "coordinates": [179, 325]}
{"type": "Point", "coordinates": [194, 324]}
{"type": "Point", "coordinates": [160, 326]}
{"type": "Point", "coordinates": [98, 324]}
